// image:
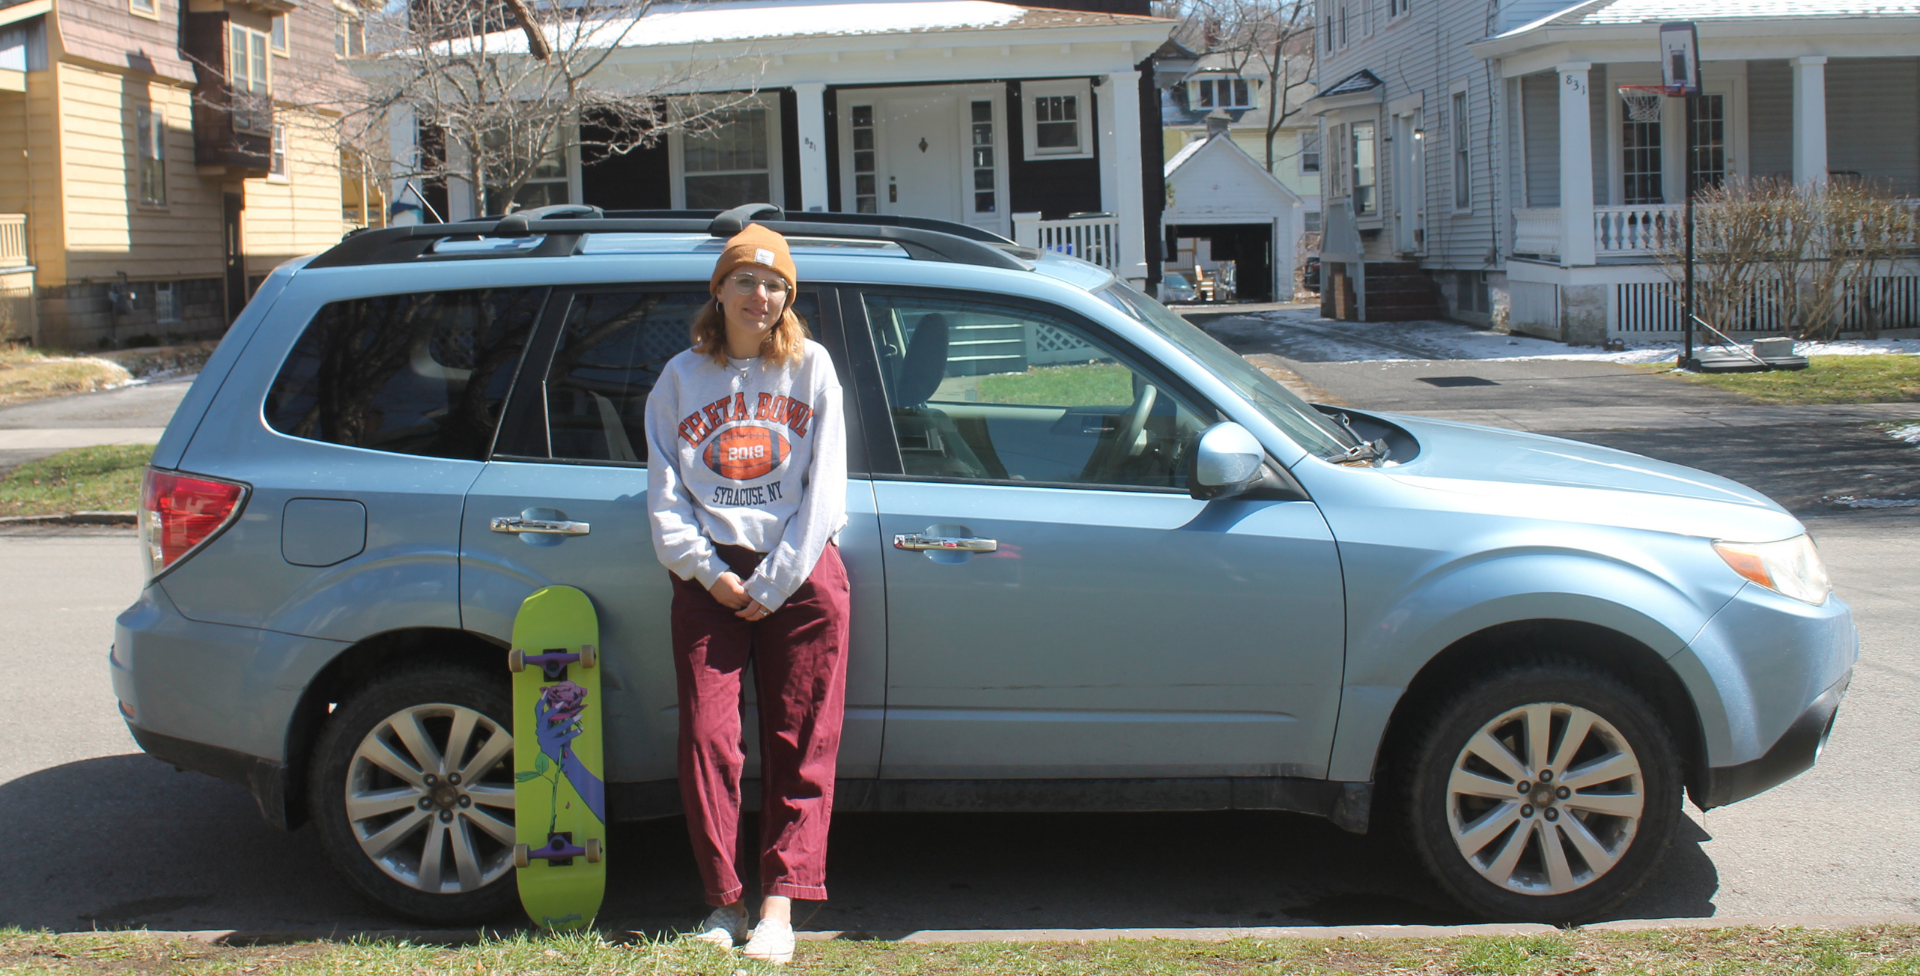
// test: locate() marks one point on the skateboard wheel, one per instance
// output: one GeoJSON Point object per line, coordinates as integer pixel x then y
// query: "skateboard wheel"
{"type": "Point", "coordinates": [589, 655]}
{"type": "Point", "coordinates": [594, 854]}
{"type": "Point", "coordinates": [520, 858]}
{"type": "Point", "coordinates": [517, 662]}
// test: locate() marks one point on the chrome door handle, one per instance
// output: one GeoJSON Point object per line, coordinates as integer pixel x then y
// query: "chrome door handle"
{"type": "Point", "coordinates": [943, 544]}
{"type": "Point", "coordinates": [516, 524]}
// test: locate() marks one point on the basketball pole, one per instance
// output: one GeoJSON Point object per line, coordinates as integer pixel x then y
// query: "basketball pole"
{"type": "Point", "coordinates": [1686, 181]}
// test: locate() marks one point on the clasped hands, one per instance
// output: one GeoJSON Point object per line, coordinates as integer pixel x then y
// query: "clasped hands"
{"type": "Point", "coordinates": [732, 594]}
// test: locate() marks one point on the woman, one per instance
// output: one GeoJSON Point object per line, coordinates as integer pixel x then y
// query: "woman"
{"type": "Point", "coordinates": [746, 488]}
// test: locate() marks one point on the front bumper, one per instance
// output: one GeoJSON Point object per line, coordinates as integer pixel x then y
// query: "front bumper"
{"type": "Point", "coordinates": [1794, 753]}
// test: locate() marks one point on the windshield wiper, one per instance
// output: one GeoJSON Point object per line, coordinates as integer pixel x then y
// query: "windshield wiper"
{"type": "Point", "coordinates": [1362, 450]}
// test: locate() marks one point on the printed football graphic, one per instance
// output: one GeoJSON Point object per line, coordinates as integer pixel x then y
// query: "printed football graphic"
{"type": "Point", "coordinates": [746, 452]}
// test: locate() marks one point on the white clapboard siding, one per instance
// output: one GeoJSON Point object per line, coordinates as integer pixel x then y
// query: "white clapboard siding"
{"type": "Point", "coordinates": [1873, 120]}
{"type": "Point", "coordinates": [1770, 119]}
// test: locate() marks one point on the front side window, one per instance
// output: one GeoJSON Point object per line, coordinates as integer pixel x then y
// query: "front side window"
{"type": "Point", "coordinates": [730, 164]}
{"type": "Point", "coordinates": [277, 35]}
{"type": "Point", "coordinates": [1364, 201]}
{"type": "Point", "coordinates": [1002, 393]}
{"type": "Point", "coordinates": [1058, 120]}
{"type": "Point", "coordinates": [150, 145]}
{"type": "Point", "coordinates": [1309, 151]}
{"type": "Point", "coordinates": [1462, 143]}
{"type": "Point", "coordinates": [546, 186]}
{"type": "Point", "coordinates": [1707, 168]}
{"type": "Point", "coordinates": [277, 163]}
{"type": "Point", "coordinates": [247, 76]}
{"type": "Point", "coordinates": [423, 374]}
{"type": "Point", "coordinates": [1640, 164]}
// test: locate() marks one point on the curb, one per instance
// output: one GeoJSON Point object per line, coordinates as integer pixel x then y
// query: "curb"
{"type": "Point", "coordinates": [242, 937]}
{"type": "Point", "coordinates": [73, 518]}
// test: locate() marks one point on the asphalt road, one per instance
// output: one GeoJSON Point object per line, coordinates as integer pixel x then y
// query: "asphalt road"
{"type": "Point", "coordinates": [100, 835]}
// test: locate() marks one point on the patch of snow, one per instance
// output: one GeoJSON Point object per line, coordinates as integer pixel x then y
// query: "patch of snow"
{"type": "Point", "coordinates": [1851, 502]}
{"type": "Point", "coordinates": [1315, 339]}
{"type": "Point", "coordinates": [668, 24]}
{"type": "Point", "coordinates": [1909, 433]}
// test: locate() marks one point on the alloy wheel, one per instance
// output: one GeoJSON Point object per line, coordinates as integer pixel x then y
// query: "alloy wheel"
{"type": "Point", "coordinates": [429, 798]}
{"type": "Point", "coordinates": [1545, 798]}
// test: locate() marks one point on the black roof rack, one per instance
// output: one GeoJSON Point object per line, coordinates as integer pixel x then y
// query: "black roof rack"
{"type": "Point", "coordinates": [562, 227]}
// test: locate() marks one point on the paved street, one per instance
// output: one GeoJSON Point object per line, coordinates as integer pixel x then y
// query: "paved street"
{"type": "Point", "coordinates": [130, 415]}
{"type": "Point", "coordinates": [104, 836]}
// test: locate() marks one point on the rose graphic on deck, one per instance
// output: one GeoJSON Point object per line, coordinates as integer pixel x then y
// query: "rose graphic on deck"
{"type": "Point", "coordinates": [556, 724]}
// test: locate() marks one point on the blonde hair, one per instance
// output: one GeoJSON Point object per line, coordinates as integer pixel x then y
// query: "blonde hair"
{"type": "Point", "coordinates": [786, 344]}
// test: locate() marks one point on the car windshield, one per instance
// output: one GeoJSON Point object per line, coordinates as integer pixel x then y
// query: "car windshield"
{"type": "Point", "coordinates": [1308, 427]}
{"type": "Point", "coordinates": [1176, 281]}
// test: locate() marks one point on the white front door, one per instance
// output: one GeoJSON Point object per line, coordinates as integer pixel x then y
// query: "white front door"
{"type": "Point", "coordinates": [925, 152]}
{"type": "Point", "coordinates": [920, 162]}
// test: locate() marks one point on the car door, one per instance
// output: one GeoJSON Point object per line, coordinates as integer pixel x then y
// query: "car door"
{"type": "Point", "coordinates": [1058, 606]}
{"type": "Point", "coordinates": [571, 459]}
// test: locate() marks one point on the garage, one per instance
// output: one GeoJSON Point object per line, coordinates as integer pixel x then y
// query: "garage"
{"type": "Point", "coordinates": [1222, 206]}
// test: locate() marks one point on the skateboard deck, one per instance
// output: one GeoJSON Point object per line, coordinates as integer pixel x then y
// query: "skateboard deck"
{"type": "Point", "coordinates": [558, 769]}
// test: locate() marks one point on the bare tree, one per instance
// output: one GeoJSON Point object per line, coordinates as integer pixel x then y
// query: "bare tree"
{"type": "Point", "coordinates": [499, 89]}
{"type": "Point", "coordinates": [1273, 39]}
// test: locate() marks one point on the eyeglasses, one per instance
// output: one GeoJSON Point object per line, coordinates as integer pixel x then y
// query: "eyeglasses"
{"type": "Point", "coordinates": [748, 283]}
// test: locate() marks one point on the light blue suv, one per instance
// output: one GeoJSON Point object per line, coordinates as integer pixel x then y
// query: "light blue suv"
{"type": "Point", "coordinates": [1098, 562]}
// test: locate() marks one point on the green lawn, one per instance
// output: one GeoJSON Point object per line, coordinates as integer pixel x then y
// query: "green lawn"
{"type": "Point", "coordinates": [1088, 385]}
{"type": "Point", "coordinates": [1878, 951]}
{"type": "Point", "coordinates": [85, 479]}
{"type": "Point", "coordinates": [1829, 379]}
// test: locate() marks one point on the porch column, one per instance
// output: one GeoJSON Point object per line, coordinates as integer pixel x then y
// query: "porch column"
{"type": "Point", "coordinates": [1576, 166]}
{"type": "Point", "coordinates": [1810, 119]}
{"type": "Point", "coordinates": [1121, 178]}
{"type": "Point", "coordinates": [811, 97]}
{"type": "Point", "coordinates": [403, 135]}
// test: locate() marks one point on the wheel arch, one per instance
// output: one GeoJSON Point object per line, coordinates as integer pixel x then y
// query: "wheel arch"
{"type": "Point", "coordinates": [1504, 645]}
{"type": "Point", "coordinates": [353, 668]}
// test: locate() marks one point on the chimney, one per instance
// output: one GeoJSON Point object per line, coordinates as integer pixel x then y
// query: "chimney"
{"type": "Point", "coordinates": [1217, 122]}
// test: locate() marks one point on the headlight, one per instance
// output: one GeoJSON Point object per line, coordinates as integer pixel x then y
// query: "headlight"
{"type": "Point", "coordinates": [1790, 567]}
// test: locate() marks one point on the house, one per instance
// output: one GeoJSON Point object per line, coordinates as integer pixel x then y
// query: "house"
{"type": "Point", "coordinates": [1219, 195]}
{"type": "Point", "coordinates": [145, 177]}
{"type": "Point", "coordinates": [1224, 82]}
{"type": "Point", "coordinates": [1489, 150]}
{"type": "Point", "coordinates": [1034, 122]}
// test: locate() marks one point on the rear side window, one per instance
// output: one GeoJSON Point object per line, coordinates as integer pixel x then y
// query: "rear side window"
{"type": "Point", "coordinates": [423, 373]}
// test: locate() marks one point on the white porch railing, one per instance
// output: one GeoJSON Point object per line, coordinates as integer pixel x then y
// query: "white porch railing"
{"type": "Point", "coordinates": [1536, 230]}
{"type": "Point", "coordinates": [1636, 231]}
{"type": "Point", "coordinates": [13, 240]}
{"type": "Point", "coordinates": [1094, 238]}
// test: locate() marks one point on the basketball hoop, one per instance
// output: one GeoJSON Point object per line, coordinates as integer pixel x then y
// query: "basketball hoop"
{"type": "Point", "coordinates": [1644, 101]}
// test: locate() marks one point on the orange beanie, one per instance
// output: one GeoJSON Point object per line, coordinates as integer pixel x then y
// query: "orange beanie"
{"type": "Point", "coordinates": [757, 245]}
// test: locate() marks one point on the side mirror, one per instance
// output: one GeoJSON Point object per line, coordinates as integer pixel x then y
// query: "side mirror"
{"type": "Point", "coordinates": [1227, 461]}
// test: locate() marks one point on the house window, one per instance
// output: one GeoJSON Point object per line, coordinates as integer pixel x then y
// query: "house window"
{"type": "Point", "coordinates": [866, 194]}
{"type": "Point", "coordinates": [1309, 152]}
{"type": "Point", "coordinates": [1708, 167]}
{"type": "Point", "coordinates": [1640, 163]}
{"type": "Point", "coordinates": [1058, 117]}
{"type": "Point", "coordinates": [728, 165]}
{"type": "Point", "coordinates": [150, 143]}
{"type": "Point", "coordinates": [164, 307]}
{"type": "Point", "coordinates": [247, 76]}
{"type": "Point", "coordinates": [1397, 7]}
{"type": "Point", "coordinates": [1224, 93]}
{"type": "Point", "coordinates": [1364, 201]}
{"type": "Point", "coordinates": [277, 162]}
{"type": "Point", "coordinates": [1310, 222]}
{"type": "Point", "coordinates": [983, 164]}
{"type": "Point", "coordinates": [1343, 25]}
{"type": "Point", "coordinates": [144, 7]}
{"type": "Point", "coordinates": [546, 186]}
{"type": "Point", "coordinates": [349, 35]}
{"type": "Point", "coordinates": [1462, 158]}
{"type": "Point", "coordinates": [277, 37]}
{"type": "Point", "coordinates": [1470, 292]}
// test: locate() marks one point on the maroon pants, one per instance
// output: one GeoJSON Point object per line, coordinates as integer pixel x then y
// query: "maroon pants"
{"type": "Point", "coordinates": [799, 653]}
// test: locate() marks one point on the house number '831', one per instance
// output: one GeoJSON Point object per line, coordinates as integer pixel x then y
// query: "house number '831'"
{"type": "Point", "coordinates": [1574, 82]}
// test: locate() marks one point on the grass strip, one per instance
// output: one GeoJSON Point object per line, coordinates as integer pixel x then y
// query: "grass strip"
{"type": "Point", "coordinates": [1871, 951]}
{"type": "Point", "coordinates": [1085, 385]}
{"type": "Point", "coordinates": [85, 479]}
{"type": "Point", "coordinates": [1827, 379]}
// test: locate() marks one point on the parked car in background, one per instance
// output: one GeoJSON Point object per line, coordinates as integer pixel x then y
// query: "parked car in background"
{"type": "Point", "coordinates": [1175, 289]}
{"type": "Point", "coordinates": [1310, 275]}
{"type": "Point", "coordinates": [1098, 562]}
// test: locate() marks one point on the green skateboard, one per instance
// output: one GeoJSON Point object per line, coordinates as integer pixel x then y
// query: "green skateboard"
{"type": "Point", "coordinates": [559, 791]}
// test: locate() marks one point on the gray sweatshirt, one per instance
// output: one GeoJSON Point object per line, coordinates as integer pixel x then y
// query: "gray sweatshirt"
{"type": "Point", "coordinates": [744, 455]}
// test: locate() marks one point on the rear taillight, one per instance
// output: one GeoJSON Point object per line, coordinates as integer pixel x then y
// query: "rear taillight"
{"type": "Point", "coordinates": [178, 512]}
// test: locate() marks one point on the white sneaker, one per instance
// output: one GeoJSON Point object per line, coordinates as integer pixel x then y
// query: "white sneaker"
{"type": "Point", "coordinates": [772, 942]}
{"type": "Point", "coordinates": [725, 927]}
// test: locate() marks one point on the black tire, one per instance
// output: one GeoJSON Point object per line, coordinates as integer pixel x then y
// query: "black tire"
{"type": "Point", "coordinates": [439, 697]}
{"type": "Point", "coordinates": [1538, 884]}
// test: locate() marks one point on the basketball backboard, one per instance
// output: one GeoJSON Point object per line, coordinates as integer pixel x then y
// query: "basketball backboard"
{"type": "Point", "coordinates": [1680, 57]}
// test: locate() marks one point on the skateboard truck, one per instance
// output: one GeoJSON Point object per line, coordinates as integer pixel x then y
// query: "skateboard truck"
{"type": "Point", "coordinates": [559, 851]}
{"type": "Point", "coordinates": [553, 662]}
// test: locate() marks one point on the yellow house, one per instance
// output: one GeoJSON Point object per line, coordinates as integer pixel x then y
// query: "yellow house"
{"type": "Point", "coordinates": [1215, 84]}
{"type": "Point", "coordinates": [147, 179]}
